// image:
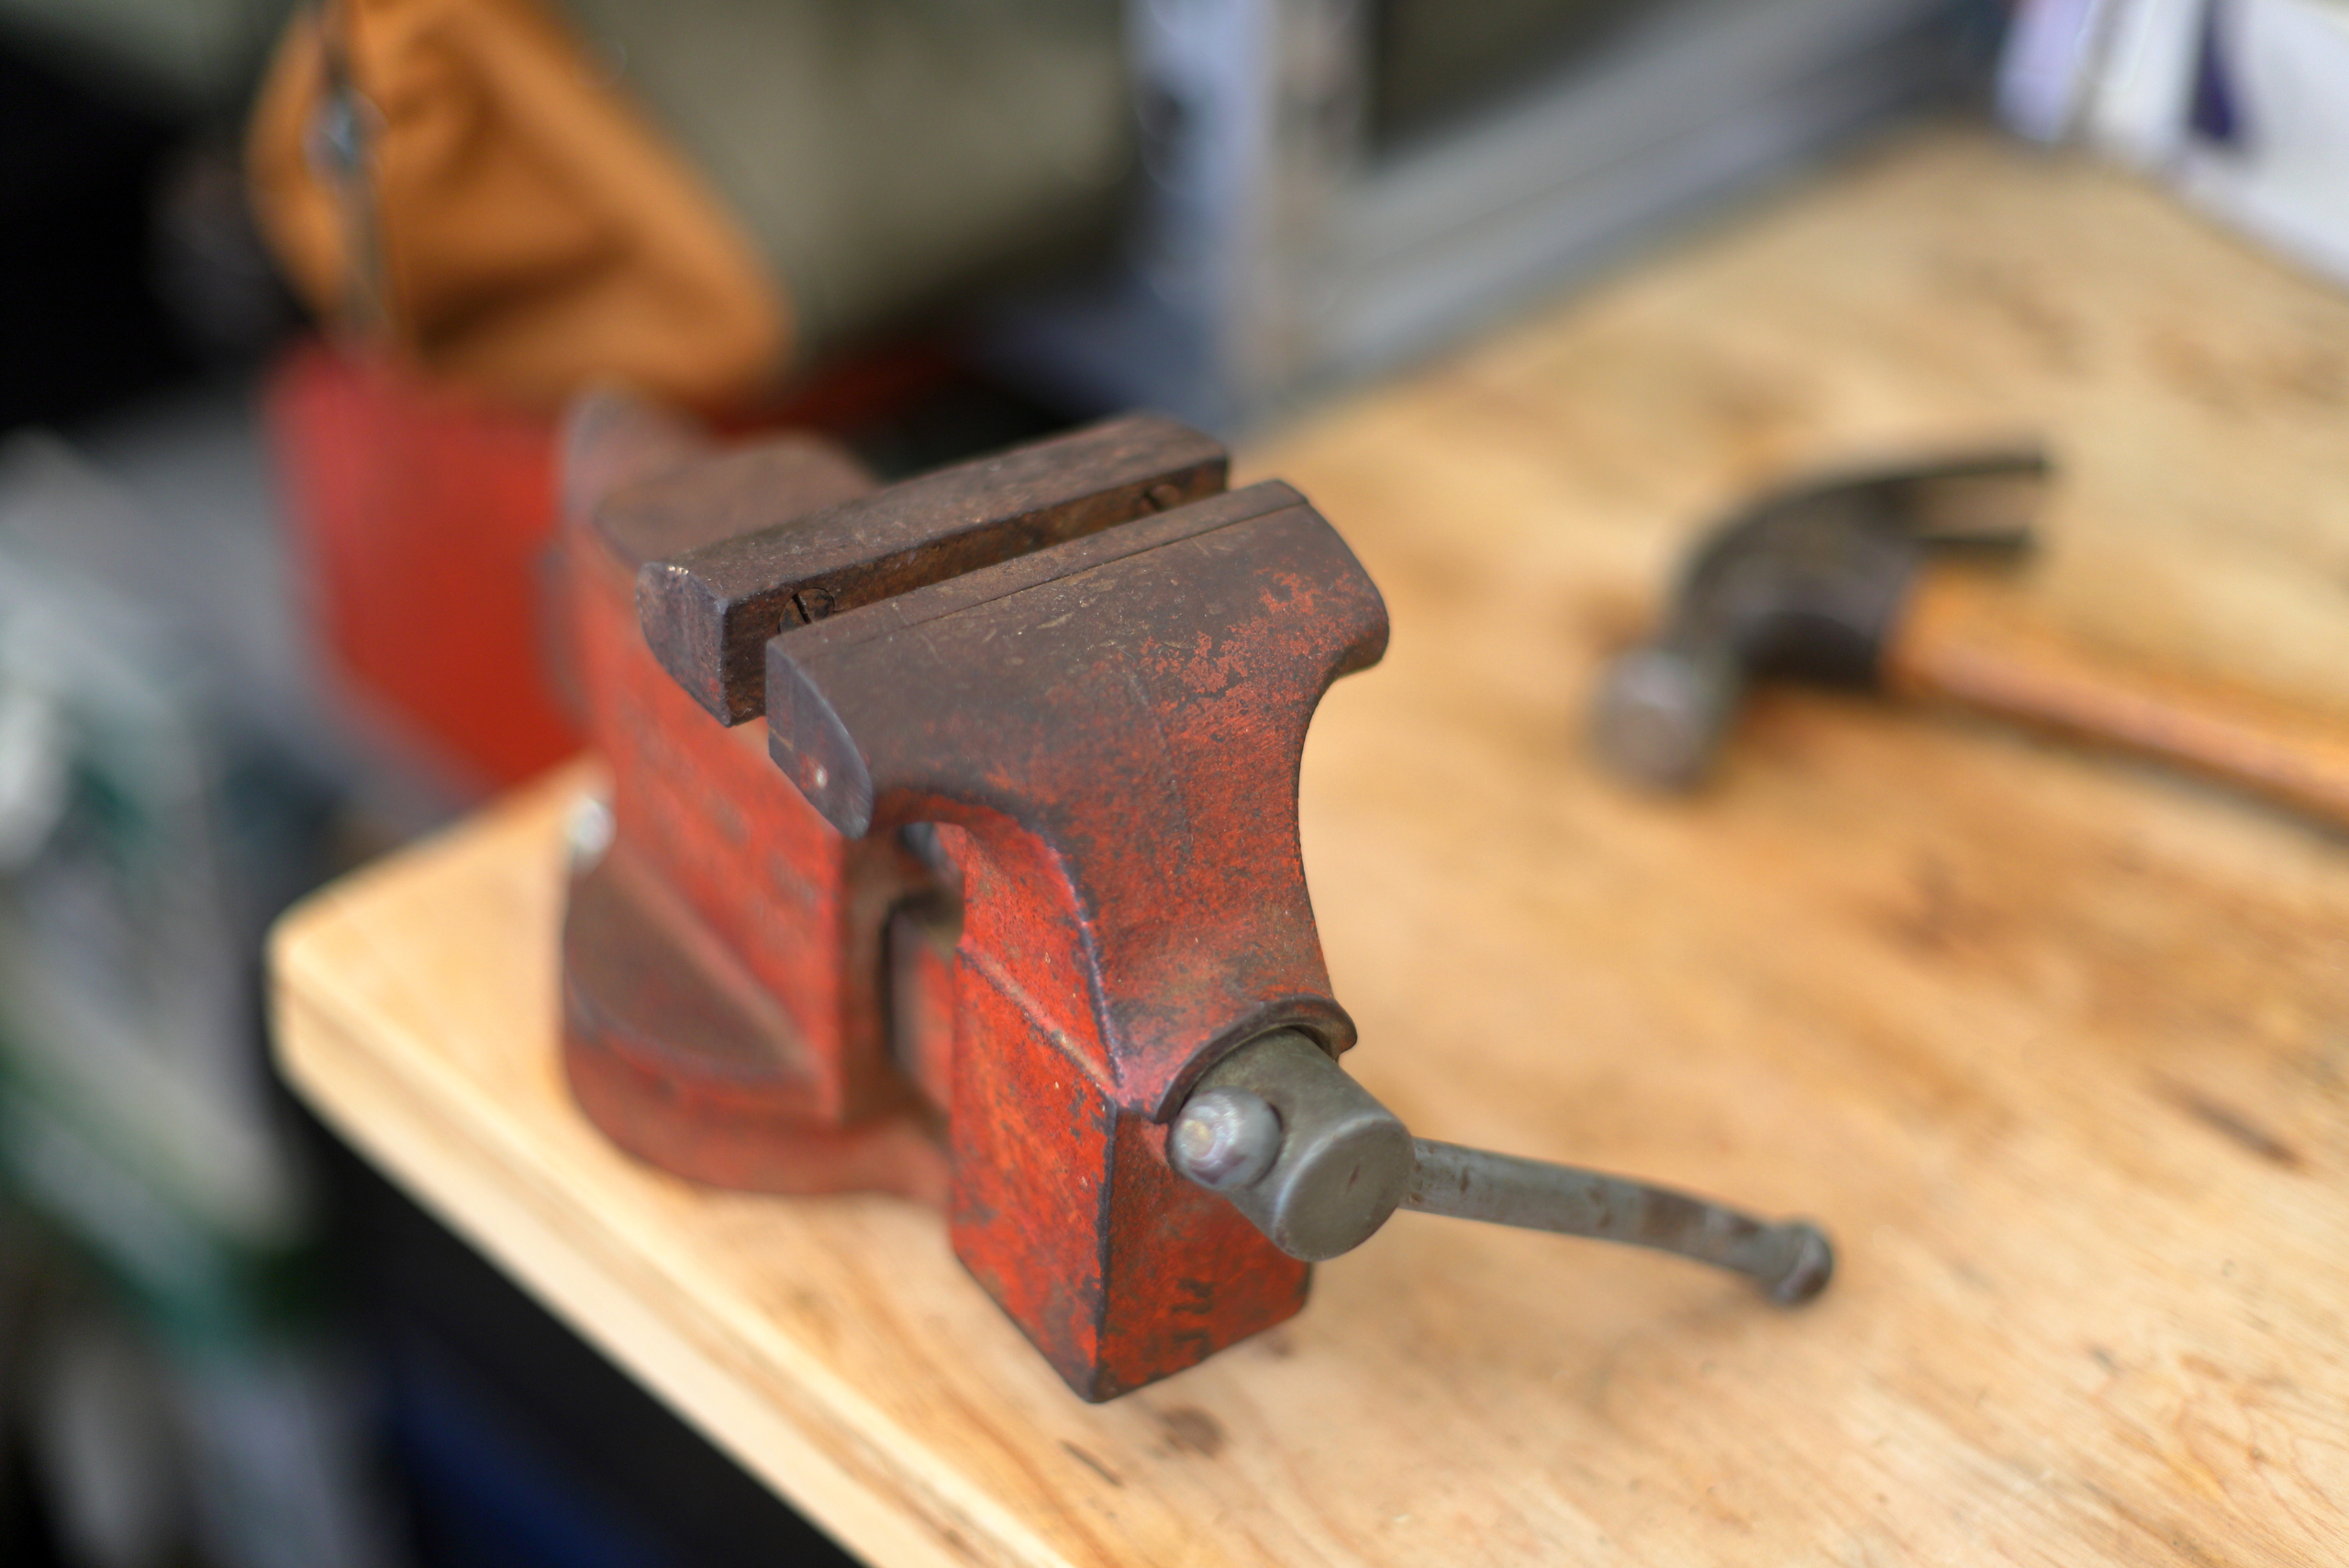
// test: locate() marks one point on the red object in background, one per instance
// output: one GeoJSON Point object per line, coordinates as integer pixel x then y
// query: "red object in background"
{"type": "Point", "coordinates": [421, 515]}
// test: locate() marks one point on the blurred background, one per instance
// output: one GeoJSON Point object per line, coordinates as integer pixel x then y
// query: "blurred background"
{"type": "Point", "coordinates": [290, 301]}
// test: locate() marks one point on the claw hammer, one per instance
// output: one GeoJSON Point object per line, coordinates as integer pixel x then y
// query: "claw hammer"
{"type": "Point", "coordinates": [1835, 581]}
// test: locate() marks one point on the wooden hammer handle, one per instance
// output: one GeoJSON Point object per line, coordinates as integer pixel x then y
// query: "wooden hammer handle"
{"type": "Point", "coordinates": [1958, 641]}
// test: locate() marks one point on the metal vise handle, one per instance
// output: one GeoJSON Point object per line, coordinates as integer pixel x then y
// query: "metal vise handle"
{"type": "Point", "coordinates": [1318, 1164]}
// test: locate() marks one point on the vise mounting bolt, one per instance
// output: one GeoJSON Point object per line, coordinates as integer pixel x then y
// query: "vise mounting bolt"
{"type": "Point", "coordinates": [1002, 907]}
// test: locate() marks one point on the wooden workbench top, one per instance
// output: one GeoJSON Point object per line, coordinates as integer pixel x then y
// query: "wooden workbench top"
{"type": "Point", "coordinates": [2057, 1046]}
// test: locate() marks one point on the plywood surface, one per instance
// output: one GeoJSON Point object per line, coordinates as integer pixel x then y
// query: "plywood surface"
{"type": "Point", "coordinates": [2057, 1046]}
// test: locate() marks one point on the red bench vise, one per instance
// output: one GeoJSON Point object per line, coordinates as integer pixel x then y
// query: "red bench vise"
{"type": "Point", "coordinates": [1003, 908]}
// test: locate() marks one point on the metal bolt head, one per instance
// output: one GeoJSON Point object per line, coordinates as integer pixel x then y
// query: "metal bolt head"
{"type": "Point", "coordinates": [1339, 1162]}
{"type": "Point", "coordinates": [1225, 1138]}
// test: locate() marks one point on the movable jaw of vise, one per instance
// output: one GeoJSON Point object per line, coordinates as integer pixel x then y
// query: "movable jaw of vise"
{"type": "Point", "coordinates": [1029, 867]}
{"type": "Point", "coordinates": [1002, 906]}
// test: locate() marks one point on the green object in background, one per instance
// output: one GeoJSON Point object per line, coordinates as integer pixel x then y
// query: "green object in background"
{"type": "Point", "coordinates": [147, 835]}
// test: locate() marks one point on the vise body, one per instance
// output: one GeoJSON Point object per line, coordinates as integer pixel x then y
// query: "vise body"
{"type": "Point", "coordinates": [1002, 908]}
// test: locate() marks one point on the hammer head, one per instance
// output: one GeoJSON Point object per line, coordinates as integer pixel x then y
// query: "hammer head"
{"type": "Point", "coordinates": [1806, 583]}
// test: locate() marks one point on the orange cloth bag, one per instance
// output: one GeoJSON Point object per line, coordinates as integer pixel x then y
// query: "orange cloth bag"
{"type": "Point", "coordinates": [456, 178]}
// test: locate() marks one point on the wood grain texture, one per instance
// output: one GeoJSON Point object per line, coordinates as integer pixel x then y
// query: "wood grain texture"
{"type": "Point", "coordinates": [1959, 640]}
{"type": "Point", "coordinates": [2054, 1044]}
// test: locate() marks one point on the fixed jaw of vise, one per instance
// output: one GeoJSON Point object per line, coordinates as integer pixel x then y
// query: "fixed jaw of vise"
{"type": "Point", "coordinates": [1014, 862]}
